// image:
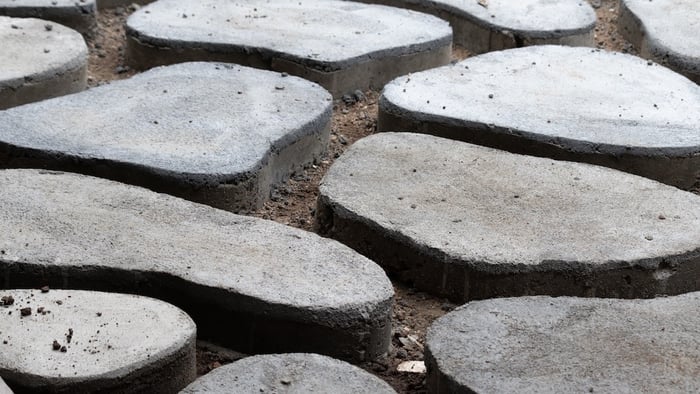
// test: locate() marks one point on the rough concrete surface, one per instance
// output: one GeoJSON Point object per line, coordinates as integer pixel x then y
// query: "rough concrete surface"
{"type": "Point", "coordinates": [565, 103]}
{"type": "Point", "coordinates": [80, 15]}
{"type": "Point", "coordinates": [250, 284]}
{"type": "Point", "coordinates": [572, 345]}
{"type": "Point", "coordinates": [484, 26]}
{"type": "Point", "coordinates": [84, 341]}
{"type": "Point", "coordinates": [343, 46]}
{"type": "Point", "coordinates": [469, 222]}
{"type": "Point", "coordinates": [39, 60]}
{"type": "Point", "coordinates": [666, 31]}
{"type": "Point", "coordinates": [213, 133]}
{"type": "Point", "coordinates": [294, 373]}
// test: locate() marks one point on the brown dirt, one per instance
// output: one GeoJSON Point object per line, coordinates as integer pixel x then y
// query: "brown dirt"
{"type": "Point", "coordinates": [294, 203]}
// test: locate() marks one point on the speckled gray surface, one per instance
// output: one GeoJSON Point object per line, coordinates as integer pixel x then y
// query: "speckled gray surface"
{"type": "Point", "coordinates": [80, 15]}
{"type": "Point", "coordinates": [666, 31]}
{"type": "Point", "coordinates": [113, 343]}
{"type": "Point", "coordinates": [499, 24]}
{"type": "Point", "coordinates": [555, 345]}
{"type": "Point", "coordinates": [567, 103]}
{"type": "Point", "coordinates": [39, 60]}
{"type": "Point", "coordinates": [469, 222]}
{"type": "Point", "coordinates": [294, 373]}
{"type": "Point", "coordinates": [342, 44]}
{"type": "Point", "coordinates": [251, 284]}
{"type": "Point", "coordinates": [213, 133]}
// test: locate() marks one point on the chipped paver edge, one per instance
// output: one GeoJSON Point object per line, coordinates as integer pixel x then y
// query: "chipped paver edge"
{"type": "Point", "coordinates": [632, 28]}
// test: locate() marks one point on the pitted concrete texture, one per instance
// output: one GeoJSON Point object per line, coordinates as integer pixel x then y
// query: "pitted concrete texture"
{"type": "Point", "coordinates": [213, 133]}
{"type": "Point", "coordinates": [80, 15]}
{"type": "Point", "coordinates": [469, 222]}
{"type": "Point", "coordinates": [294, 373]}
{"type": "Point", "coordinates": [666, 31]}
{"type": "Point", "coordinates": [3, 388]}
{"type": "Point", "coordinates": [572, 345]}
{"type": "Point", "coordinates": [343, 46]}
{"type": "Point", "coordinates": [68, 341]}
{"type": "Point", "coordinates": [39, 60]}
{"type": "Point", "coordinates": [574, 104]}
{"type": "Point", "coordinates": [250, 284]}
{"type": "Point", "coordinates": [492, 25]}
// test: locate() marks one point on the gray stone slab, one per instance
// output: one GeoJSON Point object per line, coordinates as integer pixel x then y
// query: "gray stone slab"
{"type": "Point", "coordinates": [666, 31]}
{"type": "Point", "coordinates": [39, 60]}
{"type": "Point", "coordinates": [555, 345]}
{"type": "Point", "coordinates": [250, 284]}
{"type": "Point", "coordinates": [492, 25]}
{"type": "Point", "coordinates": [80, 15]}
{"type": "Point", "coordinates": [343, 46]}
{"type": "Point", "coordinates": [83, 341]}
{"type": "Point", "coordinates": [469, 222]}
{"type": "Point", "coordinates": [565, 103]}
{"type": "Point", "coordinates": [213, 133]}
{"type": "Point", "coordinates": [295, 373]}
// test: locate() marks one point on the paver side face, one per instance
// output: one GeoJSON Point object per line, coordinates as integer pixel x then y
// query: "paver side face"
{"type": "Point", "coordinates": [554, 345]}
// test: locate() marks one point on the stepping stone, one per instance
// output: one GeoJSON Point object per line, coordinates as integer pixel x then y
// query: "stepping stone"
{"type": "Point", "coordinates": [80, 15]}
{"type": "Point", "coordinates": [39, 60]}
{"type": "Point", "coordinates": [467, 222]}
{"type": "Point", "coordinates": [665, 31]}
{"type": "Point", "coordinates": [341, 45]}
{"type": "Point", "coordinates": [212, 133]}
{"type": "Point", "coordinates": [252, 285]}
{"type": "Point", "coordinates": [289, 373]}
{"type": "Point", "coordinates": [85, 341]}
{"type": "Point", "coordinates": [558, 345]}
{"type": "Point", "coordinates": [566, 103]}
{"type": "Point", "coordinates": [492, 25]}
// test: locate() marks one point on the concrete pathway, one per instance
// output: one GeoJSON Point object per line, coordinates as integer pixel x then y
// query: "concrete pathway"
{"type": "Point", "coordinates": [39, 60]}
{"type": "Point", "coordinates": [468, 222]}
{"type": "Point", "coordinates": [573, 345]}
{"type": "Point", "coordinates": [289, 373]}
{"type": "Point", "coordinates": [343, 46]}
{"type": "Point", "coordinates": [80, 15]}
{"type": "Point", "coordinates": [566, 103]}
{"type": "Point", "coordinates": [218, 134]}
{"type": "Point", "coordinates": [68, 341]}
{"type": "Point", "coordinates": [250, 284]}
{"type": "Point", "coordinates": [491, 25]}
{"type": "Point", "coordinates": [666, 31]}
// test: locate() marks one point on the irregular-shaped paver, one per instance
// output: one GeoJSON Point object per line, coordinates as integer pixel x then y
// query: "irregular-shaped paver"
{"type": "Point", "coordinates": [555, 345]}
{"type": "Point", "coordinates": [39, 60]}
{"type": "Point", "coordinates": [213, 133]}
{"type": "Point", "coordinates": [289, 373]}
{"type": "Point", "coordinates": [468, 222]}
{"type": "Point", "coordinates": [492, 25]}
{"type": "Point", "coordinates": [250, 284]}
{"type": "Point", "coordinates": [72, 341]}
{"type": "Point", "coordinates": [666, 31]}
{"type": "Point", "coordinates": [80, 15]}
{"type": "Point", "coordinates": [566, 103]}
{"type": "Point", "coordinates": [341, 45]}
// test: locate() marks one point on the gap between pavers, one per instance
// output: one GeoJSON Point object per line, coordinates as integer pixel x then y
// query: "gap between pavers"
{"type": "Point", "coordinates": [468, 222]}
{"type": "Point", "coordinates": [492, 25]}
{"type": "Point", "coordinates": [73, 341]}
{"type": "Point", "coordinates": [666, 31]}
{"type": "Point", "coordinates": [253, 285]}
{"type": "Point", "coordinates": [575, 104]}
{"type": "Point", "coordinates": [567, 345]}
{"type": "Point", "coordinates": [213, 133]}
{"type": "Point", "coordinates": [39, 59]}
{"type": "Point", "coordinates": [80, 15]}
{"type": "Point", "coordinates": [343, 46]}
{"type": "Point", "coordinates": [289, 373]}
